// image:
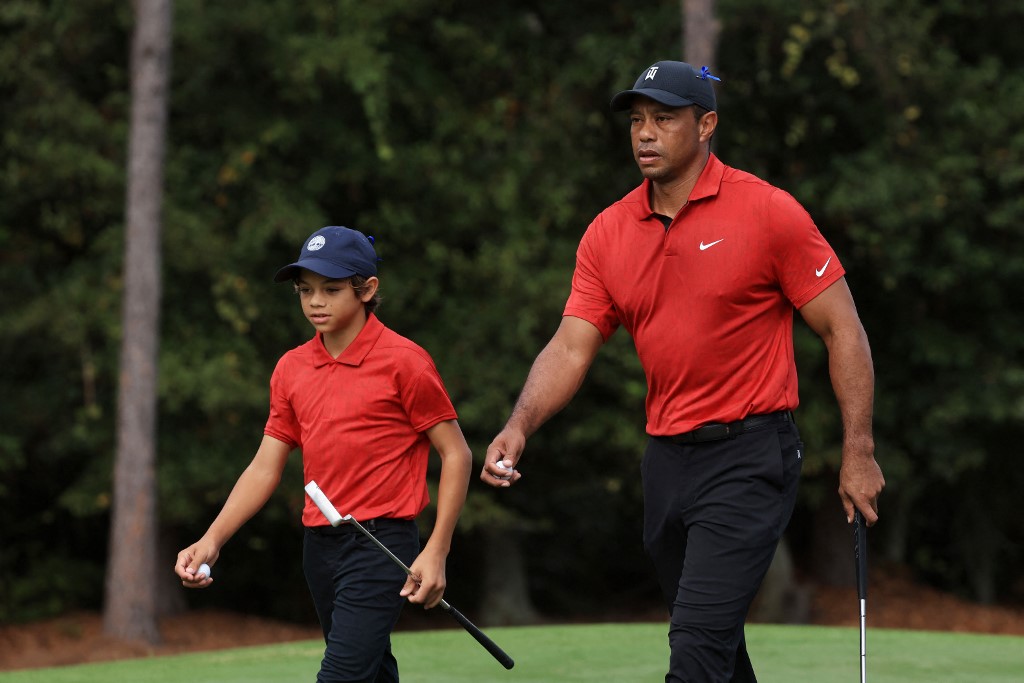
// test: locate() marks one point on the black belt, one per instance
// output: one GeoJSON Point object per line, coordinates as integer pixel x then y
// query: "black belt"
{"type": "Point", "coordinates": [716, 431]}
{"type": "Point", "coordinates": [370, 525]}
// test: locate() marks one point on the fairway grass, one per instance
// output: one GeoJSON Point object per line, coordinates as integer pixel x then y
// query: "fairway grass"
{"type": "Point", "coordinates": [597, 653]}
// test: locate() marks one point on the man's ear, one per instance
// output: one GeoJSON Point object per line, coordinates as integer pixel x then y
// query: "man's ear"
{"type": "Point", "coordinates": [708, 124]}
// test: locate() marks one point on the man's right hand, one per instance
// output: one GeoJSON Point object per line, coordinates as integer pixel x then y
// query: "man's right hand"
{"type": "Point", "coordinates": [555, 376]}
{"type": "Point", "coordinates": [507, 447]}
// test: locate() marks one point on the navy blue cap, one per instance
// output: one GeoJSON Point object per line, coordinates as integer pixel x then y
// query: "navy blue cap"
{"type": "Point", "coordinates": [335, 252]}
{"type": "Point", "coordinates": [676, 84]}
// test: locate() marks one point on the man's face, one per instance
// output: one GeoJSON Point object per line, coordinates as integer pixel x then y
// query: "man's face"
{"type": "Point", "coordinates": [668, 142]}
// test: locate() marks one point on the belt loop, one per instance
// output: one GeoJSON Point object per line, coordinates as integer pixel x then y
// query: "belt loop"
{"type": "Point", "coordinates": [371, 525]}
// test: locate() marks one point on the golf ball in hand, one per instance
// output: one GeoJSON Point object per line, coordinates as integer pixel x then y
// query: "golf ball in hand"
{"type": "Point", "coordinates": [204, 569]}
{"type": "Point", "coordinates": [501, 465]}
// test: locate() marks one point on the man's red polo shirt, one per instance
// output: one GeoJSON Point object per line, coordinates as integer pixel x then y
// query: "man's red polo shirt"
{"type": "Point", "coordinates": [709, 302]}
{"type": "Point", "coordinates": [360, 421]}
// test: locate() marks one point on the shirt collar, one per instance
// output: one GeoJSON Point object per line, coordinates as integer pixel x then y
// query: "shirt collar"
{"type": "Point", "coordinates": [357, 351]}
{"type": "Point", "coordinates": [708, 183]}
{"type": "Point", "coordinates": [710, 180]}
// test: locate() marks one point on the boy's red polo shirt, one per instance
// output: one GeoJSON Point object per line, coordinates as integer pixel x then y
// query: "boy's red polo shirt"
{"type": "Point", "coordinates": [360, 421]}
{"type": "Point", "coordinates": [709, 302]}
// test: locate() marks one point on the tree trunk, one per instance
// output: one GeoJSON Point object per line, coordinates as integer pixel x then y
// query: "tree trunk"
{"type": "Point", "coordinates": [832, 561]}
{"type": "Point", "coordinates": [977, 540]}
{"type": "Point", "coordinates": [130, 603]}
{"type": "Point", "coordinates": [506, 600]}
{"type": "Point", "coordinates": [900, 506]}
{"type": "Point", "coordinates": [700, 33]}
{"type": "Point", "coordinates": [781, 600]}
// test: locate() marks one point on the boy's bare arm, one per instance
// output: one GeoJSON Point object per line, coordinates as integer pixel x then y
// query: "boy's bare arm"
{"type": "Point", "coordinates": [456, 466]}
{"type": "Point", "coordinates": [250, 493]}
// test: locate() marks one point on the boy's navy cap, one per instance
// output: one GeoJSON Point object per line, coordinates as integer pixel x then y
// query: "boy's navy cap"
{"type": "Point", "coordinates": [334, 252]}
{"type": "Point", "coordinates": [676, 84]}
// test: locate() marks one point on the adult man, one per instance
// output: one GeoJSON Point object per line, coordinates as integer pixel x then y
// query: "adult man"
{"type": "Point", "coordinates": [703, 264]}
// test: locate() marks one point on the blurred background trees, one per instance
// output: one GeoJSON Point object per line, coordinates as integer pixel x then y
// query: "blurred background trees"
{"type": "Point", "coordinates": [475, 143]}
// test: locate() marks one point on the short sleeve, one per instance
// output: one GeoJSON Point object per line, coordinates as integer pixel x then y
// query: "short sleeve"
{"type": "Point", "coordinates": [804, 262]}
{"type": "Point", "coordinates": [426, 401]}
{"type": "Point", "coordinates": [282, 423]}
{"type": "Point", "coordinates": [589, 298]}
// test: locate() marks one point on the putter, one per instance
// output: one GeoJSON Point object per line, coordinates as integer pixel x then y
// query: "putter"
{"type": "Point", "coordinates": [335, 518]}
{"type": "Point", "coordinates": [860, 554]}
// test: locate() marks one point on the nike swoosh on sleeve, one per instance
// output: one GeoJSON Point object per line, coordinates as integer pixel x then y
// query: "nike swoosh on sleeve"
{"type": "Point", "coordinates": [821, 272]}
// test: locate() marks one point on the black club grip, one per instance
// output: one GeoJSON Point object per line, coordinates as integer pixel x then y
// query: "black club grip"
{"type": "Point", "coordinates": [860, 552]}
{"type": "Point", "coordinates": [480, 636]}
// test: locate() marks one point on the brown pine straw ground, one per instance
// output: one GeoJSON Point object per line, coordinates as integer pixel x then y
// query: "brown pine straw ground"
{"type": "Point", "coordinates": [893, 602]}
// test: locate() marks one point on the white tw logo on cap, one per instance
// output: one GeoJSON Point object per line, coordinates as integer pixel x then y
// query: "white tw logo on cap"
{"type": "Point", "coordinates": [316, 243]}
{"type": "Point", "coordinates": [651, 73]}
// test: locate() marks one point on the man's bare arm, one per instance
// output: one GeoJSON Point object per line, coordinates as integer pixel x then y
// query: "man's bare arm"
{"type": "Point", "coordinates": [833, 316]}
{"type": "Point", "coordinates": [554, 379]}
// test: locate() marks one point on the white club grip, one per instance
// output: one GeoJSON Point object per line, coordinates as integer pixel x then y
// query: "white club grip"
{"type": "Point", "coordinates": [321, 501]}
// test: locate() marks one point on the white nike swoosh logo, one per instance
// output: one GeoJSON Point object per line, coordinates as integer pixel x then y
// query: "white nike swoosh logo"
{"type": "Point", "coordinates": [821, 272]}
{"type": "Point", "coordinates": [708, 246]}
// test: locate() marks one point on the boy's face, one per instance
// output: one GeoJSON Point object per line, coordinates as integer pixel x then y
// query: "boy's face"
{"type": "Point", "coordinates": [333, 306]}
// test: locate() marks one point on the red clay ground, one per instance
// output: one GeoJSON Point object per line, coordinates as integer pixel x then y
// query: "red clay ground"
{"type": "Point", "coordinates": [893, 602]}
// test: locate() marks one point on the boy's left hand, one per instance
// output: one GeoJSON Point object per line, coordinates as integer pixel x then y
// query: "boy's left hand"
{"type": "Point", "coordinates": [428, 588]}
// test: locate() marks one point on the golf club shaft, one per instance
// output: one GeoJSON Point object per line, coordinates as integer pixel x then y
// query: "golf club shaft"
{"type": "Point", "coordinates": [860, 551]}
{"type": "Point", "coordinates": [335, 518]}
{"type": "Point", "coordinates": [470, 627]}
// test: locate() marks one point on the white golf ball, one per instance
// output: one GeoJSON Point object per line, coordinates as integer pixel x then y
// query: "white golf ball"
{"type": "Point", "coordinates": [204, 569]}
{"type": "Point", "coordinates": [501, 465]}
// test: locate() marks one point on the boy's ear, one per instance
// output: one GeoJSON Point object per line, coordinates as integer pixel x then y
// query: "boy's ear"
{"type": "Point", "coordinates": [369, 289]}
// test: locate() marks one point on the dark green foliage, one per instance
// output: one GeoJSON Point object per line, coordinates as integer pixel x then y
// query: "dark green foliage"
{"type": "Point", "coordinates": [902, 134]}
{"type": "Point", "coordinates": [473, 141]}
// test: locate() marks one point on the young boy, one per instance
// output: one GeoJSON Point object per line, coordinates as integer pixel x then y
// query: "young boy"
{"type": "Point", "coordinates": [365, 405]}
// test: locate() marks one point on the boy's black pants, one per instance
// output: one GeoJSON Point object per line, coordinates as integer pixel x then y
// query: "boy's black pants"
{"type": "Point", "coordinates": [355, 588]}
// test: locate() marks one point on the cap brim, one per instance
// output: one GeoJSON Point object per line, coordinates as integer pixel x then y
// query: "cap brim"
{"type": "Point", "coordinates": [621, 101]}
{"type": "Point", "coordinates": [318, 266]}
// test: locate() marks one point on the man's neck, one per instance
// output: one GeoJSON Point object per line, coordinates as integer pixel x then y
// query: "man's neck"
{"type": "Point", "coordinates": [668, 197]}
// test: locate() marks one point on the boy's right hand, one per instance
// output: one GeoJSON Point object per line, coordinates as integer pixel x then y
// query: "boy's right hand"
{"type": "Point", "coordinates": [187, 565]}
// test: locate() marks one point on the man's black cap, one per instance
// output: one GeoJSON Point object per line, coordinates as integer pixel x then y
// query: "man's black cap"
{"type": "Point", "coordinates": [676, 84]}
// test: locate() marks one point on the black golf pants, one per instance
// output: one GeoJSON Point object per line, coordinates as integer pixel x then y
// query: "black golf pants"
{"type": "Point", "coordinates": [355, 588]}
{"type": "Point", "coordinates": [714, 513]}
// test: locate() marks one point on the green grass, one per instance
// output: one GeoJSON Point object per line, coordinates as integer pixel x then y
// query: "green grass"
{"type": "Point", "coordinates": [602, 653]}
